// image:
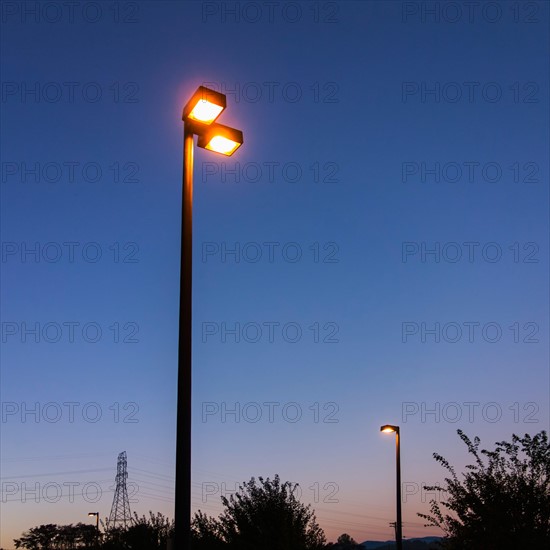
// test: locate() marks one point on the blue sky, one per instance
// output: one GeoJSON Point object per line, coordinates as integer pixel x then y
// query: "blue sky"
{"type": "Point", "coordinates": [332, 206]}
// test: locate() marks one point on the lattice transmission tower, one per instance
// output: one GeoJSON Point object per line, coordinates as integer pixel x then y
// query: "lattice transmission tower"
{"type": "Point", "coordinates": [120, 510]}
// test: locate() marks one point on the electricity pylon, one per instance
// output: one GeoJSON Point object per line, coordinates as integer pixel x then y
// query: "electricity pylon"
{"type": "Point", "coordinates": [120, 510]}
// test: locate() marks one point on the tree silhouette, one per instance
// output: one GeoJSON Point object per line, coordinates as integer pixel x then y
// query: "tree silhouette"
{"type": "Point", "coordinates": [53, 537]}
{"type": "Point", "coordinates": [344, 542]}
{"type": "Point", "coordinates": [262, 514]}
{"type": "Point", "coordinates": [145, 533]}
{"type": "Point", "coordinates": [206, 533]}
{"type": "Point", "coordinates": [35, 538]}
{"type": "Point", "coordinates": [345, 539]}
{"type": "Point", "coordinates": [149, 533]}
{"type": "Point", "coordinates": [501, 503]}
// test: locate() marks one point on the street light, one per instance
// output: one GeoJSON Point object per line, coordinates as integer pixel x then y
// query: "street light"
{"type": "Point", "coordinates": [221, 139]}
{"type": "Point", "coordinates": [91, 515]}
{"type": "Point", "coordinates": [96, 514]}
{"type": "Point", "coordinates": [388, 428]}
{"type": "Point", "coordinates": [205, 105]}
{"type": "Point", "coordinates": [199, 115]}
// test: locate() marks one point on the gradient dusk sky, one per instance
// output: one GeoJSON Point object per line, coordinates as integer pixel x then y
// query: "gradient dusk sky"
{"type": "Point", "coordinates": [376, 252]}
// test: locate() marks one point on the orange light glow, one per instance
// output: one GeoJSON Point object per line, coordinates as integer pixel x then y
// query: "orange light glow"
{"type": "Point", "coordinates": [388, 428]}
{"type": "Point", "coordinates": [205, 111]}
{"type": "Point", "coordinates": [223, 145]}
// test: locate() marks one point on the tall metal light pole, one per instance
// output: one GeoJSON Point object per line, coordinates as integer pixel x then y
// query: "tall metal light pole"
{"type": "Point", "coordinates": [199, 115]}
{"type": "Point", "coordinates": [388, 428]}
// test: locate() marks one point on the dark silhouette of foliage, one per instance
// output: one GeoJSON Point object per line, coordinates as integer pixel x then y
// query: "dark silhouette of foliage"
{"type": "Point", "coordinates": [502, 502]}
{"type": "Point", "coordinates": [54, 537]}
{"type": "Point", "coordinates": [344, 542]}
{"type": "Point", "coordinates": [345, 539]}
{"type": "Point", "coordinates": [206, 533]}
{"type": "Point", "coordinates": [145, 533]}
{"type": "Point", "coordinates": [262, 514]}
{"type": "Point", "coordinates": [37, 537]}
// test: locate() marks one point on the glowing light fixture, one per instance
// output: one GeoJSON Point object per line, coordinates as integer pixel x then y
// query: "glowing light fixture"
{"type": "Point", "coordinates": [221, 139]}
{"type": "Point", "coordinates": [388, 428]}
{"type": "Point", "coordinates": [205, 106]}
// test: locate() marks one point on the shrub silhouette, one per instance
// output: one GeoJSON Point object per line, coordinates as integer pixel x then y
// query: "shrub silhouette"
{"type": "Point", "coordinates": [262, 514]}
{"type": "Point", "coordinates": [501, 503]}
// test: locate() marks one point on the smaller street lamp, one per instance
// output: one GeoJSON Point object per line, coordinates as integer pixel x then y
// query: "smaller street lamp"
{"type": "Point", "coordinates": [96, 514]}
{"type": "Point", "coordinates": [389, 428]}
{"type": "Point", "coordinates": [91, 515]}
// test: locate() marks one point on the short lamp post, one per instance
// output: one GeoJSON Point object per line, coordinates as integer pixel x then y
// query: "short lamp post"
{"type": "Point", "coordinates": [96, 515]}
{"type": "Point", "coordinates": [199, 116]}
{"type": "Point", "coordinates": [388, 428]}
